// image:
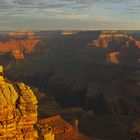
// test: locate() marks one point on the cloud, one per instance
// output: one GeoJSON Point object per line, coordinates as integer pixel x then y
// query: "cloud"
{"type": "Point", "coordinates": [17, 7]}
{"type": "Point", "coordinates": [69, 10]}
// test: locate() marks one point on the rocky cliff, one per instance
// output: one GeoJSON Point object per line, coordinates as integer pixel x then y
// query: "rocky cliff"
{"type": "Point", "coordinates": [18, 111]}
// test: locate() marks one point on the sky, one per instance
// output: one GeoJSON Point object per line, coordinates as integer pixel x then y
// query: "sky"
{"type": "Point", "coordinates": [69, 14]}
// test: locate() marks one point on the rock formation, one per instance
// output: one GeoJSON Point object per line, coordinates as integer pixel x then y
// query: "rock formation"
{"type": "Point", "coordinates": [117, 43]}
{"type": "Point", "coordinates": [113, 57]}
{"type": "Point", "coordinates": [21, 33]}
{"type": "Point", "coordinates": [22, 43]}
{"type": "Point", "coordinates": [106, 38]}
{"type": "Point", "coordinates": [18, 47]}
{"type": "Point", "coordinates": [62, 129]}
{"type": "Point", "coordinates": [18, 111]}
{"type": "Point", "coordinates": [138, 44]}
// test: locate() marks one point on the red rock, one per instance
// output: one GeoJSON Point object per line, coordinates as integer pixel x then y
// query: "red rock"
{"type": "Point", "coordinates": [62, 129]}
{"type": "Point", "coordinates": [17, 47]}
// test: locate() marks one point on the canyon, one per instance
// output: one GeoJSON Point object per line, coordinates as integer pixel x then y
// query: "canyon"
{"type": "Point", "coordinates": [96, 83]}
{"type": "Point", "coordinates": [118, 45]}
{"type": "Point", "coordinates": [19, 116]}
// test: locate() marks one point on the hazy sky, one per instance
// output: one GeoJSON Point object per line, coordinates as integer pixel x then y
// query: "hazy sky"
{"type": "Point", "coordinates": [69, 14]}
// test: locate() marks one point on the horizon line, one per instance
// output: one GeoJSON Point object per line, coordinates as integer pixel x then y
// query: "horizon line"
{"type": "Point", "coordinates": [24, 30]}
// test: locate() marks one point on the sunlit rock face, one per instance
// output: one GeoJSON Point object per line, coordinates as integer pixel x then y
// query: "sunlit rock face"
{"type": "Point", "coordinates": [18, 47]}
{"type": "Point", "coordinates": [114, 39]}
{"type": "Point", "coordinates": [113, 57]}
{"type": "Point", "coordinates": [1, 70]}
{"type": "Point", "coordinates": [138, 44]}
{"type": "Point", "coordinates": [21, 33]}
{"type": "Point", "coordinates": [45, 131]}
{"type": "Point", "coordinates": [117, 44]}
{"type": "Point", "coordinates": [109, 38]}
{"type": "Point", "coordinates": [18, 111]}
{"type": "Point", "coordinates": [22, 43]}
{"type": "Point", "coordinates": [61, 129]}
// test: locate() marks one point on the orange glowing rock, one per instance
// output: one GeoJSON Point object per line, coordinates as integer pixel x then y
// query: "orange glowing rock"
{"type": "Point", "coordinates": [18, 55]}
{"type": "Point", "coordinates": [18, 112]}
{"type": "Point", "coordinates": [113, 57]}
{"type": "Point", "coordinates": [106, 37]}
{"type": "Point", "coordinates": [17, 47]}
{"type": "Point", "coordinates": [62, 129]}
{"type": "Point", "coordinates": [138, 44]}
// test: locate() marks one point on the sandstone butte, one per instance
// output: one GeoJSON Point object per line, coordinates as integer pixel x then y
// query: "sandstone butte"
{"type": "Point", "coordinates": [18, 116]}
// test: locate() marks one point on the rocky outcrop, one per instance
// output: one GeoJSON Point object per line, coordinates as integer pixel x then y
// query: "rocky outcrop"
{"type": "Point", "coordinates": [45, 131]}
{"type": "Point", "coordinates": [18, 112]}
{"type": "Point", "coordinates": [62, 129]}
{"type": "Point", "coordinates": [138, 44]}
{"type": "Point", "coordinates": [113, 57]}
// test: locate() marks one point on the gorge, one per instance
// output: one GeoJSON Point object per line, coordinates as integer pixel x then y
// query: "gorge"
{"type": "Point", "coordinates": [19, 116]}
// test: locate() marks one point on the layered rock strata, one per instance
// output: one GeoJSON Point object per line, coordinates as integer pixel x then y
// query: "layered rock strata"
{"type": "Point", "coordinates": [19, 47]}
{"type": "Point", "coordinates": [117, 45]}
{"type": "Point", "coordinates": [18, 113]}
